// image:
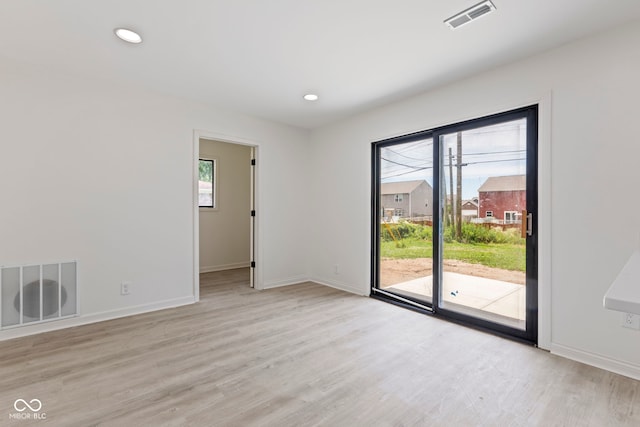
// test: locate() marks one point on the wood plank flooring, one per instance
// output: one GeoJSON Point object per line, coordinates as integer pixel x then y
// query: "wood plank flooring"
{"type": "Point", "coordinates": [303, 355]}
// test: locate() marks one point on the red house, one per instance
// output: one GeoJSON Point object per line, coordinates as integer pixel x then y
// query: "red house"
{"type": "Point", "coordinates": [503, 198]}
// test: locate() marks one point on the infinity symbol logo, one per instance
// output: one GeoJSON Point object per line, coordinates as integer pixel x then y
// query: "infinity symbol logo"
{"type": "Point", "coordinates": [21, 405]}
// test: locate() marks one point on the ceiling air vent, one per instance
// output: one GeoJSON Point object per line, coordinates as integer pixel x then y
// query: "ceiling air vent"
{"type": "Point", "coordinates": [474, 12]}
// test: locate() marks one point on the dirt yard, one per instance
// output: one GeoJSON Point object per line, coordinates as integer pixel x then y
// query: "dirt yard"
{"type": "Point", "coordinates": [393, 271]}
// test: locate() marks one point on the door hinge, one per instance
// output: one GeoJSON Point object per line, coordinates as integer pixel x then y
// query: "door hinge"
{"type": "Point", "coordinates": [253, 162]}
{"type": "Point", "coordinates": [253, 264]}
{"type": "Point", "coordinates": [253, 213]}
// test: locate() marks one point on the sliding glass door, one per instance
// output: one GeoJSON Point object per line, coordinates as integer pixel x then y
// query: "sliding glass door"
{"type": "Point", "coordinates": [405, 219]}
{"type": "Point", "coordinates": [454, 216]}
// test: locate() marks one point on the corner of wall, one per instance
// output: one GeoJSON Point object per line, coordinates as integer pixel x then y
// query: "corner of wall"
{"type": "Point", "coordinates": [342, 286]}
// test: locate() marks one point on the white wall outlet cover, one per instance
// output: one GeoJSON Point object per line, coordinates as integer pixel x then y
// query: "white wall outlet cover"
{"type": "Point", "coordinates": [630, 320]}
{"type": "Point", "coordinates": [125, 288]}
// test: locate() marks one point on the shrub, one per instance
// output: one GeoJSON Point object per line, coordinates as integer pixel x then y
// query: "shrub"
{"type": "Point", "coordinates": [471, 233]}
{"type": "Point", "coordinates": [405, 230]}
{"type": "Point", "coordinates": [425, 232]}
{"type": "Point", "coordinates": [476, 233]}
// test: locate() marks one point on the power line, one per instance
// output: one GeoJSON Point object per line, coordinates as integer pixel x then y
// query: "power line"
{"type": "Point", "coordinates": [403, 155]}
{"type": "Point", "coordinates": [463, 154]}
{"type": "Point", "coordinates": [494, 161]}
{"type": "Point", "coordinates": [494, 152]}
{"type": "Point", "coordinates": [416, 169]}
{"type": "Point", "coordinates": [404, 173]}
{"type": "Point", "coordinates": [401, 164]}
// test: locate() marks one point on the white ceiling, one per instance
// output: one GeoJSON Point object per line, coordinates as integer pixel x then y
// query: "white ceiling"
{"type": "Point", "coordinates": [260, 56]}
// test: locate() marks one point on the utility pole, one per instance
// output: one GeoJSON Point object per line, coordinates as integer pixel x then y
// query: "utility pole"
{"type": "Point", "coordinates": [459, 190]}
{"type": "Point", "coordinates": [444, 209]}
{"type": "Point", "coordinates": [452, 210]}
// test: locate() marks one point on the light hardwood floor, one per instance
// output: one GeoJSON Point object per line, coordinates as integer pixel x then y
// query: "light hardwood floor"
{"type": "Point", "coordinates": [296, 356]}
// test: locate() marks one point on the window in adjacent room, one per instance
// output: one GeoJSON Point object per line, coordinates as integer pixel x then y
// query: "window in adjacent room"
{"type": "Point", "coordinates": [207, 183]}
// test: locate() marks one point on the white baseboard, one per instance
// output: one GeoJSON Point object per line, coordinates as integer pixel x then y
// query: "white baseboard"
{"type": "Point", "coordinates": [212, 268]}
{"type": "Point", "coordinates": [285, 282]}
{"type": "Point", "coordinates": [301, 279]}
{"type": "Point", "coordinates": [92, 318]}
{"type": "Point", "coordinates": [341, 286]}
{"type": "Point", "coordinates": [599, 361]}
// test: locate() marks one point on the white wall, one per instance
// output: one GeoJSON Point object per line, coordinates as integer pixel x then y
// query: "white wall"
{"type": "Point", "coordinates": [225, 230]}
{"type": "Point", "coordinates": [103, 173]}
{"type": "Point", "coordinates": [590, 147]}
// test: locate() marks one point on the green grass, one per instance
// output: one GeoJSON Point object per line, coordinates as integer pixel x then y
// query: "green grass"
{"type": "Point", "coordinates": [499, 255]}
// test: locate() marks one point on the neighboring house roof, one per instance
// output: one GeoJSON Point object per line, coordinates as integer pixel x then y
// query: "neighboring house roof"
{"type": "Point", "coordinates": [469, 202]}
{"type": "Point", "coordinates": [504, 183]}
{"type": "Point", "coordinates": [400, 187]}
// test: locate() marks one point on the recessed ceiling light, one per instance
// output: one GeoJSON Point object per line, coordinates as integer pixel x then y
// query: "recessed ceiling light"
{"type": "Point", "coordinates": [468, 15]}
{"type": "Point", "coordinates": [311, 97]}
{"type": "Point", "coordinates": [128, 35]}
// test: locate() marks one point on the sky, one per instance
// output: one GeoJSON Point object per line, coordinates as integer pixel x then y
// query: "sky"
{"type": "Point", "coordinates": [497, 150]}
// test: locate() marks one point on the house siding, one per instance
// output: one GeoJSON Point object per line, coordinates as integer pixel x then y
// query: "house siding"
{"type": "Point", "coordinates": [469, 211]}
{"type": "Point", "coordinates": [500, 201]}
{"type": "Point", "coordinates": [388, 202]}
{"type": "Point", "coordinates": [418, 203]}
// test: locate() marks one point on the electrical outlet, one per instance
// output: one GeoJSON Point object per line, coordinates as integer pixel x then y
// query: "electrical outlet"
{"type": "Point", "coordinates": [125, 288]}
{"type": "Point", "coordinates": [631, 321]}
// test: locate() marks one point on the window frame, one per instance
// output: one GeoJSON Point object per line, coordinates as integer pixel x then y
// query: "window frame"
{"type": "Point", "coordinates": [513, 215]}
{"type": "Point", "coordinates": [214, 185]}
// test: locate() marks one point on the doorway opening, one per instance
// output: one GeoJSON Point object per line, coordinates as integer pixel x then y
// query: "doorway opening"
{"type": "Point", "coordinates": [454, 222]}
{"type": "Point", "coordinates": [225, 208]}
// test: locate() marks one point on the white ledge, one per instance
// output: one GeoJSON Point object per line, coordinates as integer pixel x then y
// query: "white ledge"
{"type": "Point", "coordinates": [624, 293]}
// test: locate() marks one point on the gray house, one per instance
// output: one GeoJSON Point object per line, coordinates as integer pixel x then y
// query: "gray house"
{"type": "Point", "coordinates": [406, 199]}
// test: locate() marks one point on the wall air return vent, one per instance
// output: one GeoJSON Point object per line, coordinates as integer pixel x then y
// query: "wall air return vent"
{"type": "Point", "coordinates": [37, 293]}
{"type": "Point", "coordinates": [468, 15]}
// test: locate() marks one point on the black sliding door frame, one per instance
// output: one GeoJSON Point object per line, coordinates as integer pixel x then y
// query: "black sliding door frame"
{"type": "Point", "coordinates": [530, 332]}
{"type": "Point", "coordinates": [402, 300]}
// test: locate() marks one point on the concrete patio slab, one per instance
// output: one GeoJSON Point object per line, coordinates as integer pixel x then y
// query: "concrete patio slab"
{"type": "Point", "coordinates": [493, 296]}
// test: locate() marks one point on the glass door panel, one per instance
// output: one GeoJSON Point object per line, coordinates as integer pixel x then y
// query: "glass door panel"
{"type": "Point", "coordinates": [405, 229]}
{"type": "Point", "coordinates": [484, 202]}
